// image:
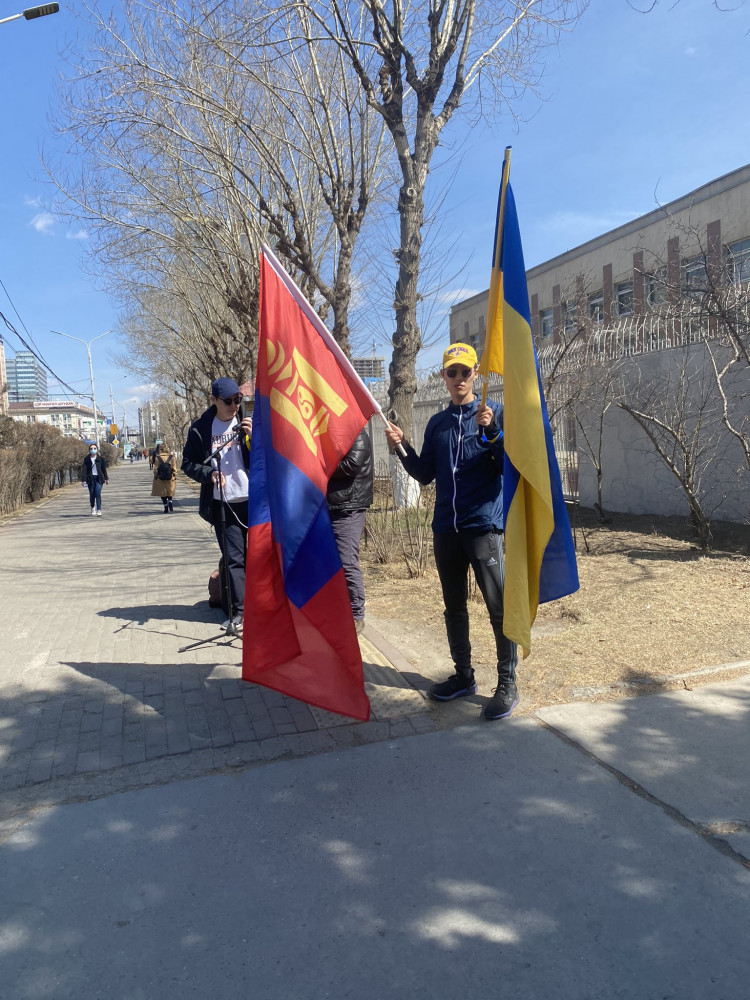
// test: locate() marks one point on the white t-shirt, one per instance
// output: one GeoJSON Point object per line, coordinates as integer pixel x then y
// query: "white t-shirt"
{"type": "Point", "coordinates": [94, 468]}
{"type": "Point", "coordinates": [232, 464]}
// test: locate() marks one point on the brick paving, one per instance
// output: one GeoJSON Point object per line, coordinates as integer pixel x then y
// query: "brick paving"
{"type": "Point", "coordinates": [107, 681]}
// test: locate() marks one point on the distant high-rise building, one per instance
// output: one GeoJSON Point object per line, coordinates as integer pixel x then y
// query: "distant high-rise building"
{"type": "Point", "coordinates": [27, 379]}
{"type": "Point", "coordinates": [369, 368]}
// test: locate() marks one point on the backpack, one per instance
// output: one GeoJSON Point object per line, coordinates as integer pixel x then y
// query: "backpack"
{"type": "Point", "coordinates": [164, 469]}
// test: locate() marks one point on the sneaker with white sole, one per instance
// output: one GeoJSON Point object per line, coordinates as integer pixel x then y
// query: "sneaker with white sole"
{"type": "Point", "coordinates": [236, 621]}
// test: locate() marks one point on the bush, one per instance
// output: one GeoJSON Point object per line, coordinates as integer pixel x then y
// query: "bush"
{"type": "Point", "coordinates": [35, 459]}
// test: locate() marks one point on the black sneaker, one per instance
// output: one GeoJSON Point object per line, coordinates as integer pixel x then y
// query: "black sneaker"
{"type": "Point", "coordinates": [503, 701]}
{"type": "Point", "coordinates": [457, 686]}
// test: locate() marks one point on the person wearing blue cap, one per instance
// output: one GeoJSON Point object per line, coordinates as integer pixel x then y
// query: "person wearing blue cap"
{"type": "Point", "coordinates": [216, 455]}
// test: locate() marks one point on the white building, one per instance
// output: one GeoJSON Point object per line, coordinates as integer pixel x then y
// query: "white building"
{"type": "Point", "coordinates": [72, 419]}
{"type": "Point", "coordinates": [629, 271]}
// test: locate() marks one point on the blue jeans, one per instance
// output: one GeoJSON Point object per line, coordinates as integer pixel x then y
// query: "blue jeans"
{"type": "Point", "coordinates": [95, 492]}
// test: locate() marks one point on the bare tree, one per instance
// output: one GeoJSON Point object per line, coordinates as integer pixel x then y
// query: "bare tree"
{"type": "Point", "coordinates": [676, 410]}
{"type": "Point", "coordinates": [194, 151]}
{"type": "Point", "coordinates": [416, 62]}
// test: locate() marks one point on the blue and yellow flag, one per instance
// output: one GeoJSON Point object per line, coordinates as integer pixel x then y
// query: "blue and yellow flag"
{"type": "Point", "coordinates": [540, 562]}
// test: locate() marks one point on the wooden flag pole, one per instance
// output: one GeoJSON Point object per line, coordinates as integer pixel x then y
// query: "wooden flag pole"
{"type": "Point", "coordinates": [497, 259]}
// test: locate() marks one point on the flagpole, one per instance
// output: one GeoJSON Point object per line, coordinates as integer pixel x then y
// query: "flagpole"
{"type": "Point", "coordinates": [498, 248]}
{"type": "Point", "coordinates": [324, 332]}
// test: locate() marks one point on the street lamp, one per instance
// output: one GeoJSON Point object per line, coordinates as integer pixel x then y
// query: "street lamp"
{"type": "Point", "coordinates": [88, 344]}
{"type": "Point", "coordinates": [31, 12]}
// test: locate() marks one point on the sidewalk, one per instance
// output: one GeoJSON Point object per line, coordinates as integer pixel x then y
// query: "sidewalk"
{"type": "Point", "coordinates": [107, 681]}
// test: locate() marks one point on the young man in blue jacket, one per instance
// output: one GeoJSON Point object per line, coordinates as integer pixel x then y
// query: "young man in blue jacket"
{"type": "Point", "coordinates": [463, 454]}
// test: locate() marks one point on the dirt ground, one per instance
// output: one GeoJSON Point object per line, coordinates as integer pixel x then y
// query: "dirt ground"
{"type": "Point", "coordinates": [651, 608]}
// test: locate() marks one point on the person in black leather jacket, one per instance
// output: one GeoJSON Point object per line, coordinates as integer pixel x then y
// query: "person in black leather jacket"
{"type": "Point", "coordinates": [349, 495]}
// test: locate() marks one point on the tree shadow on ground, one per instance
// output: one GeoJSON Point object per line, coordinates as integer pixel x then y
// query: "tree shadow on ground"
{"type": "Point", "coordinates": [347, 862]}
{"type": "Point", "coordinates": [612, 534]}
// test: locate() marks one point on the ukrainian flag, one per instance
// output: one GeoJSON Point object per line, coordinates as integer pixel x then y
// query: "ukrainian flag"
{"type": "Point", "coordinates": [540, 562]}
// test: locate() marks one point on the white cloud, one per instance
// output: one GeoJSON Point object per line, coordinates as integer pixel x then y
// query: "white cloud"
{"type": "Point", "coordinates": [81, 234]}
{"type": "Point", "coordinates": [32, 202]}
{"type": "Point", "coordinates": [690, 51]}
{"type": "Point", "coordinates": [43, 222]}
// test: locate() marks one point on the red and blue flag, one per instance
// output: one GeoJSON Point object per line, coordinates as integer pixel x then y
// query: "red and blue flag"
{"type": "Point", "coordinates": [299, 635]}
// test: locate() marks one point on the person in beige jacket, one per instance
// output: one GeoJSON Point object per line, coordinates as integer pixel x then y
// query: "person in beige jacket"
{"type": "Point", "coordinates": [165, 477]}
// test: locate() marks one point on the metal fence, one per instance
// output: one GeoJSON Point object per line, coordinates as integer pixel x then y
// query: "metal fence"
{"type": "Point", "coordinates": [626, 337]}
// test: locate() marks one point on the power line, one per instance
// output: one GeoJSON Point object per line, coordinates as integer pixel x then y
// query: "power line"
{"type": "Point", "coordinates": [13, 306]}
{"type": "Point", "coordinates": [40, 359]}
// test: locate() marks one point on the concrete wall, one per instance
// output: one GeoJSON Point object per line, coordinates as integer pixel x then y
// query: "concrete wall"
{"type": "Point", "coordinates": [636, 480]}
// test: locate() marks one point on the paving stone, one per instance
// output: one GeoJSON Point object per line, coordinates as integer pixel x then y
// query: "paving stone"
{"type": "Point", "coordinates": [39, 770]}
{"type": "Point", "coordinates": [91, 723]}
{"type": "Point", "coordinates": [280, 715]}
{"type": "Point", "coordinates": [88, 761]}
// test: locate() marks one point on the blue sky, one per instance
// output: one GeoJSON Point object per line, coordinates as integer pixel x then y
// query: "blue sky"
{"type": "Point", "coordinates": [639, 109]}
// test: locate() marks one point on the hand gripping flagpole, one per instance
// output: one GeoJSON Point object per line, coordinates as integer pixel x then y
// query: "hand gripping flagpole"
{"type": "Point", "coordinates": [325, 333]}
{"type": "Point", "coordinates": [497, 259]}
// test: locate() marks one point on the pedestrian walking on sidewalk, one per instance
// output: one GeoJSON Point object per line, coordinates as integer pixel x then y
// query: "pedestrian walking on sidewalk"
{"type": "Point", "coordinates": [463, 454]}
{"type": "Point", "coordinates": [94, 475]}
{"type": "Point", "coordinates": [349, 495]}
{"type": "Point", "coordinates": [165, 477]}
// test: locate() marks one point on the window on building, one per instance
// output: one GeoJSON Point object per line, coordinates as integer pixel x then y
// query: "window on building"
{"type": "Point", "coordinates": [694, 279]}
{"type": "Point", "coordinates": [466, 332]}
{"type": "Point", "coordinates": [570, 317]}
{"type": "Point", "coordinates": [596, 307]}
{"type": "Point", "coordinates": [655, 288]}
{"type": "Point", "coordinates": [546, 322]}
{"type": "Point", "coordinates": [624, 298]}
{"type": "Point", "coordinates": [738, 255]}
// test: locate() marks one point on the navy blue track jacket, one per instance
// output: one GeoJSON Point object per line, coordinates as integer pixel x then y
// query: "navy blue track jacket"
{"type": "Point", "coordinates": [466, 466]}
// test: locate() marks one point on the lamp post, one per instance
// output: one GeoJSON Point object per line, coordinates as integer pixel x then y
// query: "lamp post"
{"type": "Point", "coordinates": [31, 12]}
{"type": "Point", "coordinates": [88, 344]}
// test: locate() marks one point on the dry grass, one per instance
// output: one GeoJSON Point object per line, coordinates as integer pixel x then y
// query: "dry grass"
{"type": "Point", "coordinates": [650, 607]}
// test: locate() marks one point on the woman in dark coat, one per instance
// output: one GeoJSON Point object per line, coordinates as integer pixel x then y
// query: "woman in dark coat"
{"type": "Point", "coordinates": [94, 475]}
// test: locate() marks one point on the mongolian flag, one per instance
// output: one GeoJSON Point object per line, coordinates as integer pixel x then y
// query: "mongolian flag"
{"type": "Point", "coordinates": [299, 635]}
{"type": "Point", "coordinates": [540, 562]}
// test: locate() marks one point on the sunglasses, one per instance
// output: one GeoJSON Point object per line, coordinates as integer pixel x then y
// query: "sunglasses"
{"type": "Point", "coordinates": [463, 372]}
{"type": "Point", "coordinates": [232, 401]}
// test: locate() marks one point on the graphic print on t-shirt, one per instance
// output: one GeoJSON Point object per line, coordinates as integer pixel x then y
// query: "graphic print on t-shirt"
{"type": "Point", "coordinates": [232, 465]}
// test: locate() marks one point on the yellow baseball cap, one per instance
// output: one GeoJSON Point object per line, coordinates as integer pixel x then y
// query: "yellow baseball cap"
{"type": "Point", "coordinates": [461, 354]}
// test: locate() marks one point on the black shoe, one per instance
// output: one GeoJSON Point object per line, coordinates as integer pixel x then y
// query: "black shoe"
{"type": "Point", "coordinates": [503, 701]}
{"type": "Point", "coordinates": [457, 686]}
